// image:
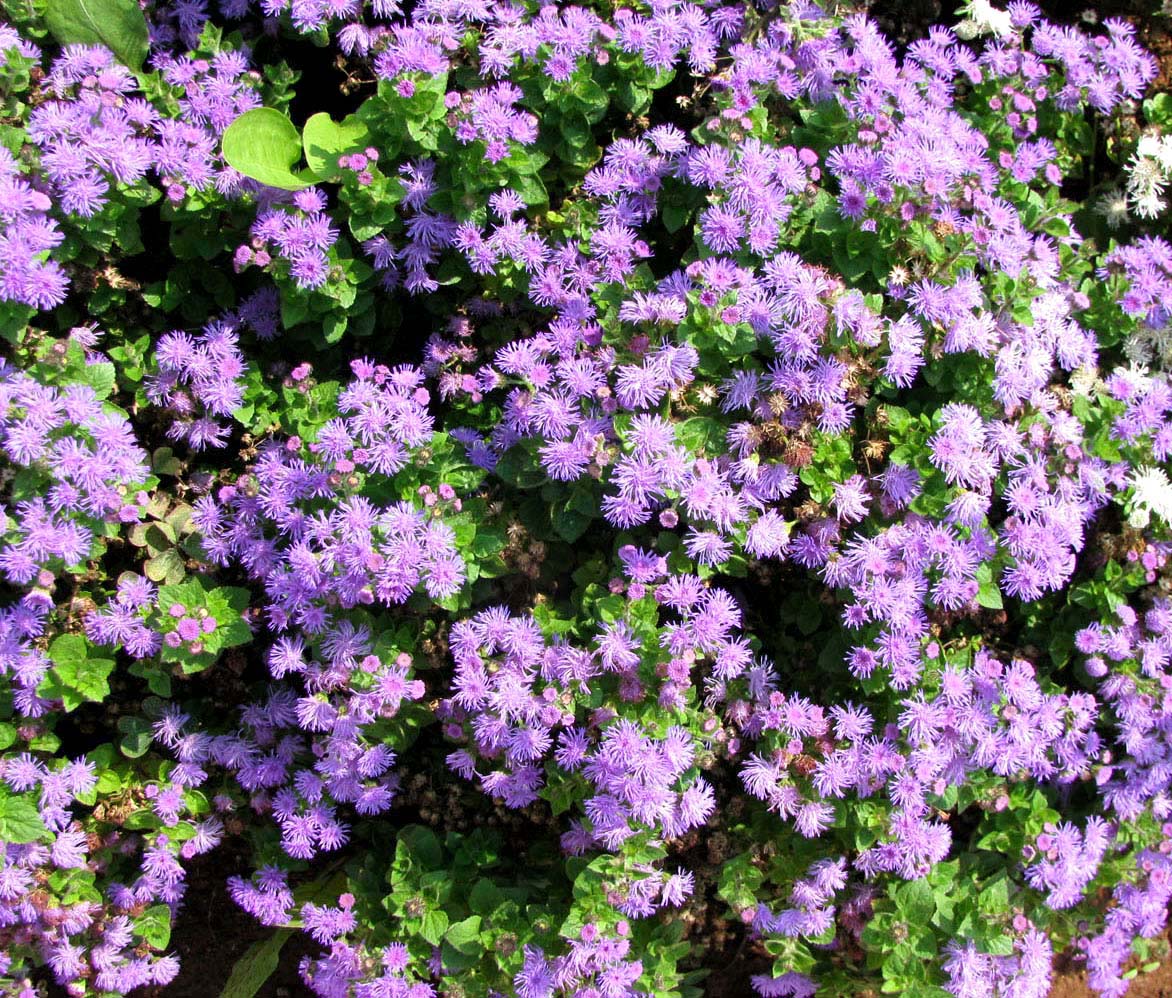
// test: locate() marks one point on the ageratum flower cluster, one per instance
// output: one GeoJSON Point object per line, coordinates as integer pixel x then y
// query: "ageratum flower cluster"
{"type": "Point", "coordinates": [566, 494]}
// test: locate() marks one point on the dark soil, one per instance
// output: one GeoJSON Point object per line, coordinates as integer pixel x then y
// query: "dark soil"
{"type": "Point", "coordinates": [212, 933]}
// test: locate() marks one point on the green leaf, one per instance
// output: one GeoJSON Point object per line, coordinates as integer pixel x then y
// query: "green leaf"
{"type": "Point", "coordinates": [1000, 944]}
{"type": "Point", "coordinates": [46, 742]}
{"type": "Point", "coordinates": [164, 462]}
{"type": "Point", "coordinates": [465, 936]}
{"type": "Point", "coordinates": [485, 898]}
{"type": "Point", "coordinates": [435, 924]}
{"type": "Point", "coordinates": [988, 593]}
{"type": "Point", "coordinates": [20, 821]}
{"type": "Point", "coordinates": [1158, 109]}
{"type": "Point", "coordinates": [423, 846]}
{"type": "Point", "coordinates": [154, 925]}
{"type": "Point", "coordinates": [109, 782]}
{"type": "Point", "coordinates": [561, 792]}
{"type": "Point", "coordinates": [69, 648]}
{"type": "Point", "coordinates": [136, 736]}
{"type": "Point", "coordinates": [324, 140]}
{"type": "Point", "coordinates": [333, 327]}
{"type": "Point", "coordinates": [739, 882]}
{"type": "Point", "coordinates": [994, 896]}
{"type": "Point", "coordinates": [915, 902]}
{"type": "Point", "coordinates": [119, 25]}
{"type": "Point", "coordinates": [593, 99]}
{"type": "Point", "coordinates": [263, 144]}
{"type": "Point", "coordinates": [675, 215]}
{"type": "Point", "coordinates": [256, 966]}
{"type": "Point", "coordinates": [701, 435]}
{"type": "Point", "coordinates": [227, 604]}
{"type": "Point", "coordinates": [570, 526]}
{"type": "Point", "coordinates": [100, 377]}
{"type": "Point", "coordinates": [76, 677]}
{"type": "Point", "coordinates": [168, 566]}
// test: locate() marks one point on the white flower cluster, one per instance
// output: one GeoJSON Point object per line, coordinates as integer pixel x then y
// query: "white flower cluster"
{"type": "Point", "coordinates": [1148, 172]}
{"type": "Point", "coordinates": [982, 18]}
{"type": "Point", "coordinates": [1113, 206]}
{"type": "Point", "coordinates": [1152, 494]}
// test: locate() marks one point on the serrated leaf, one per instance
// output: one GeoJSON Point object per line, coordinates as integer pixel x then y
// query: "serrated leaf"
{"type": "Point", "coordinates": [119, 25]}
{"type": "Point", "coordinates": [20, 821]}
{"type": "Point", "coordinates": [109, 782]}
{"type": "Point", "coordinates": [739, 882]}
{"type": "Point", "coordinates": [915, 902]}
{"type": "Point", "coordinates": [465, 936]}
{"type": "Point", "coordinates": [47, 742]}
{"type": "Point", "coordinates": [994, 896]}
{"type": "Point", "coordinates": [77, 676]}
{"type": "Point", "coordinates": [1000, 944]}
{"type": "Point", "coordinates": [561, 793]}
{"type": "Point", "coordinates": [68, 649]}
{"type": "Point", "coordinates": [142, 820]}
{"type": "Point", "coordinates": [100, 377]}
{"type": "Point", "coordinates": [435, 924]}
{"type": "Point", "coordinates": [265, 145]}
{"type": "Point", "coordinates": [569, 525]}
{"type": "Point", "coordinates": [227, 605]}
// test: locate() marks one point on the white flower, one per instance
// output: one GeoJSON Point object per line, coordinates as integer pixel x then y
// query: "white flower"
{"type": "Point", "coordinates": [1154, 146]}
{"type": "Point", "coordinates": [985, 19]}
{"type": "Point", "coordinates": [1163, 154]}
{"type": "Point", "coordinates": [1084, 380]}
{"type": "Point", "coordinates": [1149, 145]}
{"type": "Point", "coordinates": [1145, 175]}
{"type": "Point", "coordinates": [1113, 205]}
{"type": "Point", "coordinates": [1148, 172]}
{"type": "Point", "coordinates": [1153, 494]}
{"type": "Point", "coordinates": [1135, 377]}
{"type": "Point", "coordinates": [1150, 205]}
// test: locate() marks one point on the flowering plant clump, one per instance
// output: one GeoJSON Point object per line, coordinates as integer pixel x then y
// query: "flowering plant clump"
{"type": "Point", "coordinates": [583, 500]}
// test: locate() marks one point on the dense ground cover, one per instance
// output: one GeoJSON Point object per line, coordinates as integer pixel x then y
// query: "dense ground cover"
{"type": "Point", "coordinates": [555, 500]}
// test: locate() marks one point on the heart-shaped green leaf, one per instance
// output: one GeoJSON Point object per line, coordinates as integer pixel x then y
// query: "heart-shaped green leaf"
{"type": "Point", "coordinates": [19, 820]}
{"type": "Point", "coordinates": [119, 25]}
{"type": "Point", "coordinates": [263, 144]}
{"type": "Point", "coordinates": [136, 738]}
{"type": "Point", "coordinates": [325, 140]}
